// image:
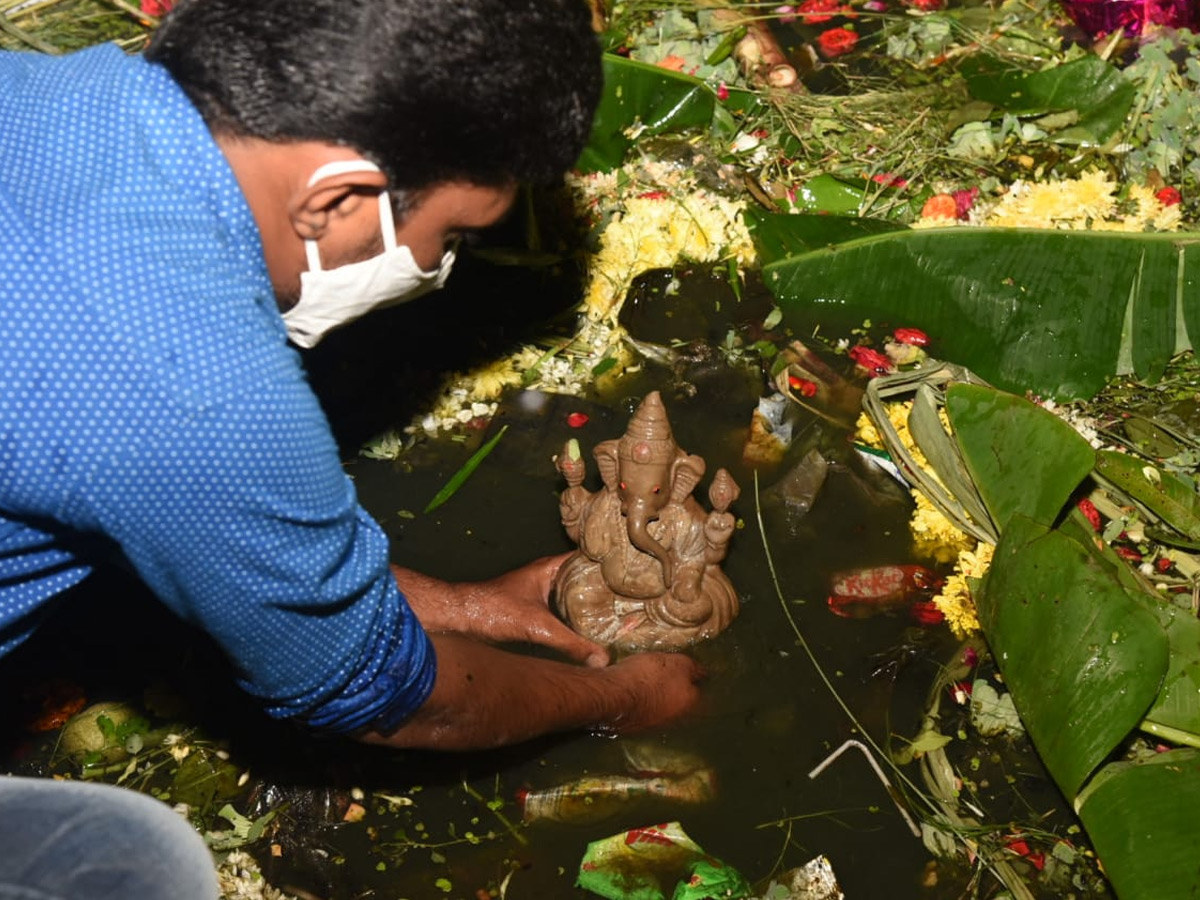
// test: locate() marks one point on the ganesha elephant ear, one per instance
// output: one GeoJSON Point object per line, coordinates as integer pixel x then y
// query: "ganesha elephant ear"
{"type": "Point", "coordinates": [686, 472]}
{"type": "Point", "coordinates": [607, 463]}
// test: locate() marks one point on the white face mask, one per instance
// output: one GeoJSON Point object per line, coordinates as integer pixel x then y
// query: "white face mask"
{"type": "Point", "coordinates": [330, 298]}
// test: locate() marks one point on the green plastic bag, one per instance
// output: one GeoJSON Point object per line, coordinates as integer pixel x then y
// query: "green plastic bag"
{"type": "Point", "coordinates": [642, 864]}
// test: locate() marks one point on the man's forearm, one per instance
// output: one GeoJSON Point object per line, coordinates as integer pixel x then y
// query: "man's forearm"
{"type": "Point", "coordinates": [485, 697]}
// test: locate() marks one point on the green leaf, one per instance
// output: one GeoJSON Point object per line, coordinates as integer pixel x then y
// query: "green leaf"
{"type": "Point", "coordinates": [647, 97]}
{"type": "Point", "coordinates": [459, 478]}
{"type": "Point", "coordinates": [1141, 818]}
{"type": "Point", "coordinates": [1089, 85]}
{"type": "Point", "coordinates": [1053, 312]}
{"type": "Point", "coordinates": [1082, 658]}
{"type": "Point", "coordinates": [1178, 702]}
{"type": "Point", "coordinates": [778, 235]}
{"type": "Point", "coordinates": [1023, 459]}
{"type": "Point", "coordinates": [1168, 497]}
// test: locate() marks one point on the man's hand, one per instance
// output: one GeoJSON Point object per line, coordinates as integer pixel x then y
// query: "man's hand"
{"type": "Point", "coordinates": [513, 607]}
{"type": "Point", "coordinates": [485, 697]}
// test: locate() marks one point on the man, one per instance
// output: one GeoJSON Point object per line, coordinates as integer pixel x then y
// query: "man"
{"type": "Point", "coordinates": [269, 171]}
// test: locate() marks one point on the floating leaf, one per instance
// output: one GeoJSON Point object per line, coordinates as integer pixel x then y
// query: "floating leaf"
{"type": "Point", "coordinates": [1082, 658]}
{"type": "Point", "coordinates": [1141, 818]}
{"type": "Point", "coordinates": [456, 481]}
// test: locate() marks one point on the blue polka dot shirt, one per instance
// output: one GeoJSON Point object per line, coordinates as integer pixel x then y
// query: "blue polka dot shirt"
{"type": "Point", "coordinates": [150, 404]}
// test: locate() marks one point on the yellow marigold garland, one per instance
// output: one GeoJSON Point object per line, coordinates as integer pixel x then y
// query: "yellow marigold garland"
{"type": "Point", "coordinates": [934, 536]}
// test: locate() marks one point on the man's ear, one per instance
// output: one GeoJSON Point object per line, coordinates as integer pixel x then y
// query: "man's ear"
{"type": "Point", "coordinates": [313, 207]}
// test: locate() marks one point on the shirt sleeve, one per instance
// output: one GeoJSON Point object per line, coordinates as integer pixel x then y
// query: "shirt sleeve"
{"type": "Point", "coordinates": [242, 520]}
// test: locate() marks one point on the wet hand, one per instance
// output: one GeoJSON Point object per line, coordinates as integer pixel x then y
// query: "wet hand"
{"type": "Point", "coordinates": [660, 687]}
{"type": "Point", "coordinates": [513, 607]}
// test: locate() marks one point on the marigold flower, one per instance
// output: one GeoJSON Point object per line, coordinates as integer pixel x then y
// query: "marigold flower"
{"type": "Point", "coordinates": [837, 41]}
{"type": "Point", "coordinates": [940, 206]}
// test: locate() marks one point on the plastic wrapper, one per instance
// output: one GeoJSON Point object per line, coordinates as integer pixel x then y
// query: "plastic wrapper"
{"type": "Point", "coordinates": [656, 863]}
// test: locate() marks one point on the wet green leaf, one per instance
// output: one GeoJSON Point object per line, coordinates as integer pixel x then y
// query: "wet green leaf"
{"type": "Point", "coordinates": [1168, 497]}
{"type": "Point", "coordinates": [1178, 702]}
{"type": "Point", "coordinates": [1141, 818]}
{"type": "Point", "coordinates": [1082, 658]}
{"type": "Point", "coordinates": [645, 99]}
{"type": "Point", "coordinates": [1022, 458]}
{"type": "Point", "coordinates": [1054, 312]}
{"type": "Point", "coordinates": [459, 478]}
{"type": "Point", "coordinates": [778, 235]}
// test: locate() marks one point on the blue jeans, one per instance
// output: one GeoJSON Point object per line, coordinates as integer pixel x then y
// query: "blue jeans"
{"type": "Point", "coordinates": [70, 840]}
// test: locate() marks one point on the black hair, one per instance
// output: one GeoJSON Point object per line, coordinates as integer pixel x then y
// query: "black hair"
{"type": "Point", "coordinates": [482, 91]}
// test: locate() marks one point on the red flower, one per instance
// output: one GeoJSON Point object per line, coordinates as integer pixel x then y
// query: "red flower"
{"type": "Point", "coordinates": [814, 12]}
{"type": "Point", "coordinates": [888, 179]}
{"type": "Point", "coordinates": [1163, 564]}
{"type": "Point", "coordinates": [577, 419]}
{"type": "Point", "coordinates": [722, 92]}
{"type": "Point", "coordinates": [157, 8]}
{"type": "Point", "coordinates": [1169, 196]}
{"type": "Point", "coordinates": [802, 386]}
{"type": "Point", "coordinates": [914, 336]}
{"type": "Point", "coordinates": [969, 657]}
{"type": "Point", "coordinates": [1128, 554]}
{"type": "Point", "coordinates": [837, 41]}
{"type": "Point", "coordinates": [652, 195]}
{"type": "Point", "coordinates": [964, 200]}
{"type": "Point", "coordinates": [1088, 508]}
{"type": "Point", "coordinates": [871, 360]}
{"type": "Point", "coordinates": [926, 5]}
{"type": "Point", "coordinates": [925, 612]}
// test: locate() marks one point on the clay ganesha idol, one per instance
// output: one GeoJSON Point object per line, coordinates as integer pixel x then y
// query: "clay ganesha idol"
{"type": "Point", "coordinates": [647, 572]}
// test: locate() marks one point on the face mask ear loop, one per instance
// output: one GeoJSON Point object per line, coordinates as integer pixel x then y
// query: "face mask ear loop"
{"type": "Point", "coordinates": [386, 221]}
{"type": "Point", "coordinates": [313, 255]}
{"type": "Point", "coordinates": [339, 167]}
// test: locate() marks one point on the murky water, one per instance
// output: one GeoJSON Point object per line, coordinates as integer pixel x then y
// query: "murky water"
{"type": "Point", "coordinates": [448, 825]}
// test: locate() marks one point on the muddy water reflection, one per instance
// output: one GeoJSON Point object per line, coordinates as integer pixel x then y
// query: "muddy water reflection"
{"type": "Point", "coordinates": [766, 719]}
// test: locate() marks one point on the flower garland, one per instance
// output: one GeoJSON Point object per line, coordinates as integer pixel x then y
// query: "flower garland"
{"type": "Point", "coordinates": [934, 536]}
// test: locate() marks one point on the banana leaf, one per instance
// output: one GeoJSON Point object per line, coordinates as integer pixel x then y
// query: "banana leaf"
{"type": "Point", "coordinates": [1178, 704]}
{"type": "Point", "coordinates": [1083, 659]}
{"type": "Point", "coordinates": [1093, 88]}
{"type": "Point", "coordinates": [1141, 817]}
{"type": "Point", "coordinates": [777, 235]}
{"type": "Point", "coordinates": [1053, 312]}
{"type": "Point", "coordinates": [1166, 496]}
{"type": "Point", "coordinates": [640, 95]}
{"type": "Point", "coordinates": [1023, 459]}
